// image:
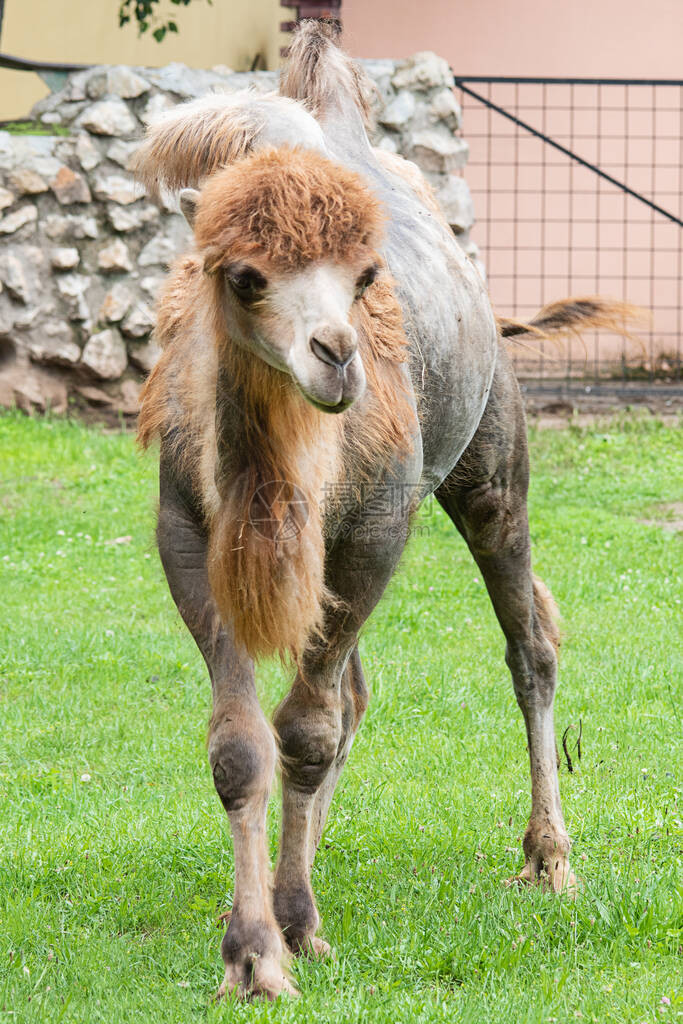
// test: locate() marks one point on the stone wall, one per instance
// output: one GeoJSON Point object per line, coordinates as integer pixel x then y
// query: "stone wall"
{"type": "Point", "coordinates": [83, 251]}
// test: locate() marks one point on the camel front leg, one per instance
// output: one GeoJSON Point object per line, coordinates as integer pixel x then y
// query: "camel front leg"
{"type": "Point", "coordinates": [242, 755]}
{"type": "Point", "coordinates": [318, 719]}
{"type": "Point", "coordinates": [316, 724]}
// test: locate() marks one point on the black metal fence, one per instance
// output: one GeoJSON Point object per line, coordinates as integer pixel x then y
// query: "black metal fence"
{"type": "Point", "coordinates": [578, 189]}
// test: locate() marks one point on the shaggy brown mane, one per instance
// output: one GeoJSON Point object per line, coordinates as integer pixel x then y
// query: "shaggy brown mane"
{"type": "Point", "coordinates": [291, 206]}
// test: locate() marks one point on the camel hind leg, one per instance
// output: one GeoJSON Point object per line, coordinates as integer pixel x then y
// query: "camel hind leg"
{"type": "Point", "coordinates": [486, 497]}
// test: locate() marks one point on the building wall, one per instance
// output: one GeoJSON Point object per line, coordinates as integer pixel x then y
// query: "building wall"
{"type": "Point", "coordinates": [227, 32]}
{"type": "Point", "coordinates": [545, 225]}
{"type": "Point", "coordinates": [619, 38]}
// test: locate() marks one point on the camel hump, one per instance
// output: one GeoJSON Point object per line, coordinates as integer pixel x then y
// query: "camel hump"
{"type": "Point", "coordinates": [188, 143]}
{"type": "Point", "coordinates": [323, 77]}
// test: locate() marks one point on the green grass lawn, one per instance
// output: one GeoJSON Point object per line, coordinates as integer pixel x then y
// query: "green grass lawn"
{"type": "Point", "coordinates": [115, 858]}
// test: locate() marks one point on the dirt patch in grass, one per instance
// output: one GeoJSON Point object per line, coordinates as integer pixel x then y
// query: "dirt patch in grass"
{"type": "Point", "coordinates": [668, 516]}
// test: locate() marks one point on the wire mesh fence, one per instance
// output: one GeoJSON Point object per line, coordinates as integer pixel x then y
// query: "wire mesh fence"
{"type": "Point", "coordinates": [578, 190]}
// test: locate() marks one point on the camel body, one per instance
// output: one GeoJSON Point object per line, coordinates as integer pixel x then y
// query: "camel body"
{"type": "Point", "coordinates": [327, 329]}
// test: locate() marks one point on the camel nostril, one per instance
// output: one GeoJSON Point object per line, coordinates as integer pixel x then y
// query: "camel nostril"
{"type": "Point", "coordinates": [326, 355]}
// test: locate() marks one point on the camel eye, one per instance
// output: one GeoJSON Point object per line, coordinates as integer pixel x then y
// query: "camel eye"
{"type": "Point", "coordinates": [247, 283]}
{"type": "Point", "coordinates": [368, 277]}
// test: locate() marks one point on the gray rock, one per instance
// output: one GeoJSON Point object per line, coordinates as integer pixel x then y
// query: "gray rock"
{"type": "Point", "coordinates": [123, 81]}
{"type": "Point", "coordinates": [438, 152]}
{"type": "Point", "coordinates": [444, 107]}
{"type": "Point", "coordinates": [399, 111]}
{"type": "Point", "coordinates": [456, 202]}
{"type": "Point", "coordinates": [118, 188]}
{"type": "Point", "coordinates": [156, 105]}
{"type": "Point", "coordinates": [40, 392]}
{"type": "Point", "coordinates": [159, 250]}
{"type": "Point", "coordinates": [27, 317]}
{"type": "Point", "coordinates": [66, 113]}
{"type": "Point", "coordinates": [64, 258]}
{"type": "Point", "coordinates": [380, 73]}
{"type": "Point", "coordinates": [120, 81]}
{"type": "Point", "coordinates": [95, 396]}
{"type": "Point", "coordinates": [26, 182]}
{"type": "Point", "coordinates": [6, 151]}
{"type": "Point", "coordinates": [87, 152]}
{"type": "Point", "coordinates": [12, 222]}
{"type": "Point", "coordinates": [130, 397]}
{"type": "Point", "coordinates": [19, 272]}
{"type": "Point", "coordinates": [105, 354]}
{"type": "Point", "coordinates": [53, 344]}
{"type": "Point", "coordinates": [423, 71]}
{"type": "Point", "coordinates": [117, 302]}
{"type": "Point", "coordinates": [6, 198]}
{"type": "Point", "coordinates": [31, 152]}
{"type": "Point", "coordinates": [73, 288]}
{"type": "Point", "coordinates": [151, 285]}
{"type": "Point", "coordinates": [114, 257]}
{"type": "Point", "coordinates": [188, 83]}
{"type": "Point", "coordinates": [120, 152]}
{"type": "Point", "coordinates": [140, 322]}
{"type": "Point", "coordinates": [13, 277]}
{"type": "Point", "coordinates": [108, 117]}
{"type": "Point", "coordinates": [75, 89]}
{"type": "Point", "coordinates": [96, 85]}
{"type": "Point", "coordinates": [70, 187]}
{"type": "Point", "coordinates": [6, 316]}
{"type": "Point", "coordinates": [131, 217]}
{"type": "Point", "coordinates": [58, 227]}
{"type": "Point", "coordinates": [144, 356]}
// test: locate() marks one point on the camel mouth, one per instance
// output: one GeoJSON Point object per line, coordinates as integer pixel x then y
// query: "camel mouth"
{"type": "Point", "coordinates": [335, 407]}
{"type": "Point", "coordinates": [341, 406]}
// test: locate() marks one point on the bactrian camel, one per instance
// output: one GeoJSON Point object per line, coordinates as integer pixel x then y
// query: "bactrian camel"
{"type": "Point", "coordinates": [330, 358]}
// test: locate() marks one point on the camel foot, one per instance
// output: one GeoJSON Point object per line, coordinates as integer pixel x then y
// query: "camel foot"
{"type": "Point", "coordinates": [314, 948]}
{"type": "Point", "coordinates": [563, 878]}
{"type": "Point", "coordinates": [546, 854]}
{"type": "Point", "coordinates": [255, 962]}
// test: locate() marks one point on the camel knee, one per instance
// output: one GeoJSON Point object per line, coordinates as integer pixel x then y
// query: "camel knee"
{"type": "Point", "coordinates": [242, 758]}
{"type": "Point", "coordinates": [309, 738]}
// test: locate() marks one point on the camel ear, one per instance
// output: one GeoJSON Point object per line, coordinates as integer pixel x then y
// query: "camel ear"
{"type": "Point", "coordinates": [189, 197]}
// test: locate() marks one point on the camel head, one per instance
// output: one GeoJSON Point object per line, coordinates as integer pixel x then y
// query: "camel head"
{"type": "Point", "coordinates": [289, 241]}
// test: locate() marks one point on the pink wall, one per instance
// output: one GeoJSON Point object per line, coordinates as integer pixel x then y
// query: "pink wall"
{"type": "Point", "coordinates": [545, 226]}
{"type": "Point", "coordinates": [618, 38]}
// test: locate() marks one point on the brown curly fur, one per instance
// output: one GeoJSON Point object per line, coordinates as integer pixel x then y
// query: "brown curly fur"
{"type": "Point", "coordinates": [292, 206]}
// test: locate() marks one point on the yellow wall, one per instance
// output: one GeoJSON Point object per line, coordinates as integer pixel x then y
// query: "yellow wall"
{"type": "Point", "coordinates": [228, 32]}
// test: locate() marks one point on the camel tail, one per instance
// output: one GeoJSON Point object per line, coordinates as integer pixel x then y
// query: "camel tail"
{"type": "Point", "coordinates": [572, 316]}
{"type": "Point", "coordinates": [323, 77]}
